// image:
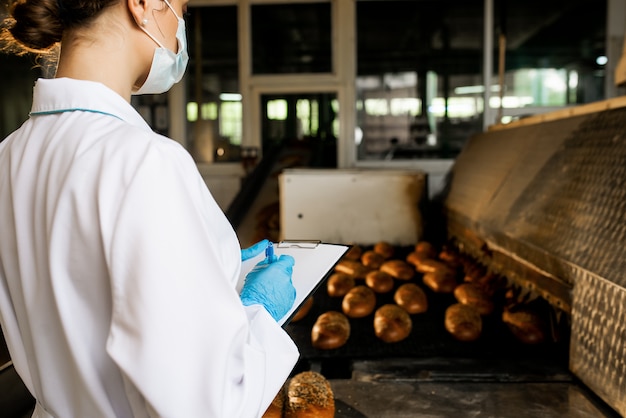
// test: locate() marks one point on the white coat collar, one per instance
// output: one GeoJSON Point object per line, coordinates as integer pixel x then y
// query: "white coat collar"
{"type": "Point", "coordinates": [60, 95]}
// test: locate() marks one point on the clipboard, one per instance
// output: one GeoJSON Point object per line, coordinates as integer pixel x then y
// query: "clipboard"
{"type": "Point", "coordinates": [314, 261]}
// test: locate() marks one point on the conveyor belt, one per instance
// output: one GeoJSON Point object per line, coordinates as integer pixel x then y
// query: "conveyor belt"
{"type": "Point", "coordinates": [428, 337]}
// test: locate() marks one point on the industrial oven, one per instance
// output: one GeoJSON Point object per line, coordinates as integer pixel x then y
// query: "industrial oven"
{"type": "Point", "coordinates": [541, 203]}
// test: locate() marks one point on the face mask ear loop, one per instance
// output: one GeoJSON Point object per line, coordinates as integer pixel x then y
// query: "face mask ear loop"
{"type": "Point", "coordinates": [152, 37]}
{"type": "Point", "coordinates": [171, 8]}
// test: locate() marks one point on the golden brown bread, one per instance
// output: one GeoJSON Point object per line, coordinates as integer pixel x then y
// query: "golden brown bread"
{"type": "Point", "coordinates": [440, 282]}
{"type": "Point", "coordinates": [426, 248]}
{"type": "Point", "coordinates": [463, 322]}
{"type": "Point", "coordinates": [473, 272]}
{"type": "Point", "coordinates": [353, 253]}
{"type": "Point", "coordinates": [360, 301]}
{"type": "Point", "coordinates": [527, 326]}
{"type": "Point", "coordinates": [330, 330]}
{"type": "Point", "coordinates": [416, 258]}
{"type": "Point", "coordinates": [352, 268]}
{"type": "Point", "coordinates": [411, 298]}
{"type": "Point", "coordinates": [385, 249]}
{"type": "Point", "coordinates": [338, 284]}
{"type": "Point", "coordinates": [450, 256]}
{"type": "Point", "coordinates": [474, 295]}
{"type": "Point", "coordinates": [372, 259]}
{"type": "Point", "coordinates": [491, 283]}
{"type": "Point", "coordinates": [429, 265]}
{"type": "Point", "coordinates": [392, 323]}
{"type": "Point", "coordinates": [304, 310]}
{"type": "Point", "coordinates": [275, 410]}
{"type": "Point", "coordinates": [309, 395]}
{"type": "Point", "coordinates": [379, 281]}
{"type": "Point", "coordinates": [398, 269]}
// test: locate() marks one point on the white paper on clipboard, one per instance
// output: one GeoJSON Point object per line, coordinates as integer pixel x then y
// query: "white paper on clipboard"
{"type": "Point", "coordinates": [314, 260]}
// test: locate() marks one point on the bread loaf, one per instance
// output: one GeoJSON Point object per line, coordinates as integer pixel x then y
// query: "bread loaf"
{"type": "Point", "coordinates": [398, 269]}
{"type": "Point", "coordinates": [360, 301]}
{"type": "Point", "coordinates": [430, 265]}
{"type": "Point", "coordinates": [309, 395]}
{"type": "Point", "coordinates": [450, 257]}
{"type": "Point", "coordinates": [356, 269]}
{"type": "Point", "coordinates": [473, 272]}
{"type": "Point", "coordinates": [385, 249]}
{"type": "Point", "coordinates": [416, 258]}
{"type": "Point", "coordinates": [463, 322]}
{"type": "Point", "coordinates": [353, 253]}
{"type": "Point", "coordinates": [338, 284]}
{"type": "Point", "coordinates": [392, 323]}
{"type": "Point", "coordinates": [411, 298]}
{"type": "Point", "coordinates": [474, 295]}
{"type": "Point", "coordinates": [527, 326]}
{"type": "Point", "coordinates": [372, 259]}
{"type": "Point", "coordinates": [304, 310]}
{"type": "Point", "coordinates": [491, 283]}
{"type": "Point", "coordinates": [275, 410]}
{"type": "Point", "coordinates": [440, 282]}
{"type": "Point", "coordinates": [330, 330]}
{"type": "Point", "coordinates": [426, 248]}
{"type": "Point", "coordinates": [379, 281]}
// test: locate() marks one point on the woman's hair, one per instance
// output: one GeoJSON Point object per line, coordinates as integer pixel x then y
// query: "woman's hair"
{"type": "Point", "coordinates": [38, 25]}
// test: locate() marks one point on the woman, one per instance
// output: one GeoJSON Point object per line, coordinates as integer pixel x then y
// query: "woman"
{"type": "Point", "coordinates": [117, 267]}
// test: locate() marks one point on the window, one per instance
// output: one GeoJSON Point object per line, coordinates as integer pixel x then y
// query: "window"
{"type": "Point", "coordinates": [291, 38]}
{"type": "Point", "coordinates": [214, 114]}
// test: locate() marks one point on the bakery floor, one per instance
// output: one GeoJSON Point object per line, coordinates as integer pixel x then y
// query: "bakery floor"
{"type": "Point", "coordinates": [444, 388]}
{"type": "Point", "coordinates": [429, 375]}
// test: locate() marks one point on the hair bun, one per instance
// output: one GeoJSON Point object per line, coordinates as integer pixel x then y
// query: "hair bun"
{"type": "Point", "coordinates": [38, 25]}
{"type": "Point", "coordinates": [35, 25]}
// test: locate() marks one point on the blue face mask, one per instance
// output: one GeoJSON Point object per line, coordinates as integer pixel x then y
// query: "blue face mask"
{"type": "Point", "coordinates": [167, 67]}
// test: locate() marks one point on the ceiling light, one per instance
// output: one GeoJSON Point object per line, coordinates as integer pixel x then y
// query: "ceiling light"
{"type": "Point", "coordinates": [230, 97]}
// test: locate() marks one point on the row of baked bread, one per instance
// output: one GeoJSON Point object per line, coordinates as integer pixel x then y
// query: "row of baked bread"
{"type": "Point", "coordinates": [443, 271]}
{"type": "Point", "coordinates": [475, 295]}
{"type": "Point", "coordinates": [358, 278]}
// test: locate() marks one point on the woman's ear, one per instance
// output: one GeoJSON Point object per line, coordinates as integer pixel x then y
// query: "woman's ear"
{"type": "Point", "coordinates": [139, 11]}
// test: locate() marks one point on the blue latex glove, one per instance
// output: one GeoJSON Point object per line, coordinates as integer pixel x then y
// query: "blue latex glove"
{"type": "Point", "coordinates": [269, 284]}
{"type": "Point", "coordinates": [254, 250]}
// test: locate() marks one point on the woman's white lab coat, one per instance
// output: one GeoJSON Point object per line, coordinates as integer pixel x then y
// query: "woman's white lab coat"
{"type": "Point", "coordinates": [118, 271]}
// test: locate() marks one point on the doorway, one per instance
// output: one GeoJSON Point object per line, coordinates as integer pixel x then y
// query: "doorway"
{"type": "Point", "coordinates": [306, 122]}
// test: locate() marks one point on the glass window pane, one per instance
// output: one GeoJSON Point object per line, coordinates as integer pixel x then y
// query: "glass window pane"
{"type": "Point", "coordinates": [230, 122]}
{"type": "Point", "coordinates": [309, 118]}
{"type": "Point", "coordinates": [291, 38]}
{"type": "Point", "coordinates": [214, 111]}
{"type": "Point", "coordinates": [408, 53]}
{"type": "Point", "coordinates": [419, 86]}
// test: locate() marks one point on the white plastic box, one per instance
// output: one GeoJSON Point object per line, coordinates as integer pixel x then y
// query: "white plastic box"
{"type": "Point", "coordinates": [359, 206]}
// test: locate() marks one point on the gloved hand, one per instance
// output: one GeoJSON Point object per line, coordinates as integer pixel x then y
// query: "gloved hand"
{"type": "Point", "coordinates": [269, 284]}
{"type": "Point", "coordinates": [254, 250]}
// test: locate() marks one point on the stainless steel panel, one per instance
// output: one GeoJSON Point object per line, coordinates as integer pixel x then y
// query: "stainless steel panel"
{"type": "Point", "coordinates": [598, 338]}
{"type": "Point", "coordinates": [545, 205]}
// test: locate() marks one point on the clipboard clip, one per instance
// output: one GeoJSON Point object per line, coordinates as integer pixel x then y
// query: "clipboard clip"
{"type": "Point", "coordinates": [307, 244]}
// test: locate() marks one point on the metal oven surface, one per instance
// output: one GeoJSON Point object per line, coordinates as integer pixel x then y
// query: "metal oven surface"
{"type": "Point", "coordinates": [544, 202]}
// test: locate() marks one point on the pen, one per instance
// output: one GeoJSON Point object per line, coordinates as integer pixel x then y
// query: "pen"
{"type": "Point", "coordinates": [269, 252]}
